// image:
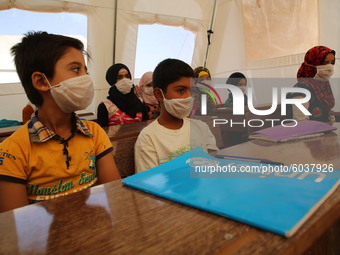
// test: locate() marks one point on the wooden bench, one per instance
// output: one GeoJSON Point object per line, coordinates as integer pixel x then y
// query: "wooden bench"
{"type": "Point", "coordinates": [123, 138]}
{"type": "Point", "coordinates": [7, 131]}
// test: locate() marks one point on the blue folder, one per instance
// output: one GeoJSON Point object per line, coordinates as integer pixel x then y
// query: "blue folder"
{"type": "Point", "coordinates": [276, 202]}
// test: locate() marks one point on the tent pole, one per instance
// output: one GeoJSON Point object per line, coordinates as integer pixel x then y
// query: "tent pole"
{"type": "Point", "coordinates": [114, 33]}
{"type": "Point", "coordinates": [210, 32]}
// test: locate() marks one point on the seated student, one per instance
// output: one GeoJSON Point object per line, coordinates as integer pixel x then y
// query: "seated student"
{"type": "Point", "coordinates": [172, 133]}
{"type": "Point", "coordinates": [55, 153]}
{"type": "Point", "coordinates": [27, 112]}
{"type": "Point", "coordinates": [122, 105]}
{"type": "Point", "coordinates": [239, 80]}
{"type": "Point", "coordinates": [202, 84]}
{"type": "Point", "coordinates": [314, 74]}
{"type": "Point", "coordinates": [146, 93]}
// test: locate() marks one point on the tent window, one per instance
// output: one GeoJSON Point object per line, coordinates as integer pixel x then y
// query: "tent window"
{"type": "Point", "coordinates": [279, 28]}
{"type": "Point", "coordinates": [158, 42]}
{"type": "Point", "coordinates": [19, 22]}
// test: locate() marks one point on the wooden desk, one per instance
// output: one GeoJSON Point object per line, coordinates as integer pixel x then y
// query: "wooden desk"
{"type": "Point", "coordinates": [323, 149]}
{"type": "Point", "coordinates": [114, 219]}
{"type": "Point", "coordinates": [325, 223]}
{"type": "Point", "coordinates": [7, 131]}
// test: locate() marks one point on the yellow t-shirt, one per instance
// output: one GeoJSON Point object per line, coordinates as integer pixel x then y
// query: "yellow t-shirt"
{"type": "Point", "coordinates": [42, 165]}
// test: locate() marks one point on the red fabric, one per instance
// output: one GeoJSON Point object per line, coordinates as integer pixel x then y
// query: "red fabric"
{"type": "Point", "coordinates": [120, 117]}
{"type": "Point", "coordinates": [323, 91]}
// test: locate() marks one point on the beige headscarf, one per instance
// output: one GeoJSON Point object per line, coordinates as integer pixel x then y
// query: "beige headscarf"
{"type": "Point", "coordinates": [146, 79]}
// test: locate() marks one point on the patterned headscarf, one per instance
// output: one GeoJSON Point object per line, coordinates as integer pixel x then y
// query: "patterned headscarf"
{"type": "Point", "coordinates": [322, 89]}
{"type": "Point", "coordinates": [146, 79]}
{"type": "Point", "coordinates": [200, 69]}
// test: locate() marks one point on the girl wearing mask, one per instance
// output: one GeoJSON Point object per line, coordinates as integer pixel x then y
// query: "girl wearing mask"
{"type": "Point", "coordinates": [203, 86]}
{"type": "Point", "coordinates": [239, 80]}
{"type": "Point", "coordinates": [146, 93]}
{"type": "Point", "coordinates": [122, 106]}
{"type": "Point", "coordinates": [313, 75]}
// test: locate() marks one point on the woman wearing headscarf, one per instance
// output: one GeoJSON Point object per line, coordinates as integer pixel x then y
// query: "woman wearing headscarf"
{"type": "Point", "coordinates": [202, 86]}
{"type": "Point", "coordinates": [239, 80]}
{"type": "Point", "coordinates": [122, 106]}
{"type": "Point", "coordinates": [314, 74]}
{"type": "Point", "coordinates": [146, 93]}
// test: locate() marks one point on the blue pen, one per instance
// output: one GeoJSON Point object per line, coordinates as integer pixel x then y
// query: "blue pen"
{"type": "Point", "coordinates": [238, 157]}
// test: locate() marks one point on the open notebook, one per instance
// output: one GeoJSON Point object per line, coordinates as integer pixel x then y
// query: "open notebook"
{"type": "Point", "coordinates": [303, 129]}
{"type": "Point", "coordinates": [276, 202]}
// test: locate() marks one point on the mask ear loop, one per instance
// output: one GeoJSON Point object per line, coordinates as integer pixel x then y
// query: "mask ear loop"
{"type": "Point", "coordinates": [48, 83]}
{"type": "Point", "coordinates": [163, 94]}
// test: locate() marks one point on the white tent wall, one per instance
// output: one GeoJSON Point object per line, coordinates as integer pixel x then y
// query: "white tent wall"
{"type": "Point", "coordinates": [228, 50]}
{"type": "Point", "coordinates": [100, 15]}
{"type": "Point", "coordinates": [193, 15]}
{"type": "Point", "coordinates": [329, 22]}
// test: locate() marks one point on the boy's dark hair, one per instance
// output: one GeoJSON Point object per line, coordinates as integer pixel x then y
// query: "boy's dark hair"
{"type": "Point", "coordinates": [169, 71]}
{"type": "Point", "coordinates": [39, 52]}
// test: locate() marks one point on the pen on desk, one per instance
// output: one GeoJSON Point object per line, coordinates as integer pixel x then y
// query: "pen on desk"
{"type": "Point", "coordinates": [258, 160]}
{"type": "Point", "coordinates": [237, 157]}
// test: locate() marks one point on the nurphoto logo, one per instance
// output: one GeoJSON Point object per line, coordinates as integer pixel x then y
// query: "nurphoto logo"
{"type": "Point", "coordinates": [239, 103]}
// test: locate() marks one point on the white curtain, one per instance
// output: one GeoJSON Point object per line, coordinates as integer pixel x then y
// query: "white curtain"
{"type": "Point", "coordinates": [193, 15]}
{"type": "Point", "coordinates": [100, 15]}
{"type": "Point", "coordinates": [228, 52]}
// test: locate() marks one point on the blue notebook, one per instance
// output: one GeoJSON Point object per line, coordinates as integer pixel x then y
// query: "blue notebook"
{"type": "Point", "coordinates": [274, 201]}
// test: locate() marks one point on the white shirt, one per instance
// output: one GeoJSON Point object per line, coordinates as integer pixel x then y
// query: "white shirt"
{"type": "Point", "coordinates": [156, 144]}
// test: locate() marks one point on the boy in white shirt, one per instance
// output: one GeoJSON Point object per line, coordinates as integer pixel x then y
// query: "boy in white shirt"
{"type": "Point", "coordinates": [172, 133]}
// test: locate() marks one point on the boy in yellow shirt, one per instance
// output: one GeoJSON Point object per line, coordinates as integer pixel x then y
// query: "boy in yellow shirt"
{"type": "Point", "coordinates": [55, 153]}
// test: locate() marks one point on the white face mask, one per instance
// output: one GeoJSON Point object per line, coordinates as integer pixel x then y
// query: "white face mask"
{"type": "Point", "coordinates": [148, 90]}
{"type": "Point", "coordinates": [73, 94]}
{"type": "Point", "coordinates": [324, 72]}
{"type": "Point", "coordinates": [178, 107]}
{"type": "Point", "coordinates": [124, 86]}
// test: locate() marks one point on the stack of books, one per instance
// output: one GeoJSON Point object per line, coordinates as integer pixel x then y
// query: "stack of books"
{"type": "Point", "coordinates": [292, 131]}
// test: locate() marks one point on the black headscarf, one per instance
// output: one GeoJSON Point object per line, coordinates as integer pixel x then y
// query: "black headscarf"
{"type": "Point", "coordinates": [234, 79]}
{"type": "Point", "coordinates": [128, 103]}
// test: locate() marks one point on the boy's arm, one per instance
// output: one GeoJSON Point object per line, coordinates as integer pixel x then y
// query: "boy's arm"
{"type": "Point", "coordinates": [12, 195]}
{"type": "Point", "coordinates": [107, 170]}
{"type": "Point", "coordinates": [145, 155]}
{"type": "Point", "coordinates": [210, 140]}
